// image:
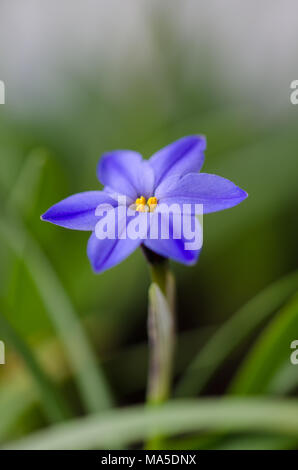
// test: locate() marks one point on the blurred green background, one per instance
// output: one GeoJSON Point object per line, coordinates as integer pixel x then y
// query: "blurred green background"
{"type": "Point", "coordinates": [76, 342]}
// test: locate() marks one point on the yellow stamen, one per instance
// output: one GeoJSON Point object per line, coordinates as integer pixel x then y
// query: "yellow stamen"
{"type": "Point", "coordinates": [142, 205]}
{"type": "Point", "coordinates": [140, 200]}
{"type": "Point", "coordinates": [152, 203]}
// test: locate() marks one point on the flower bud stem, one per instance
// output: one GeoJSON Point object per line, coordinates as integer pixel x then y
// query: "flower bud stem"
{"type": "Point", "coordinates": [161, 334]}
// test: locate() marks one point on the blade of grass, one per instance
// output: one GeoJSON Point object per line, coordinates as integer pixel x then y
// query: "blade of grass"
{"type": "Point", "coordinates": [90, 379]}
{"type": "Point", "coordinates": [89, 376]}
{"type": "Point", "coordinates": [229, 336]}
{"type": "Point", "coordinates": [54, 404]}
{"type": "Point", "coordinates": [131, 425]}
{"type": "Point", "coordinates": [242, 442]}
{"type": "Point", "coordinates": [270, 352]}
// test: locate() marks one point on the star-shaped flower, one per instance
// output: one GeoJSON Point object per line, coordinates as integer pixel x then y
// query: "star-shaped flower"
{"type": "Point", "coordinates": [169, 177]}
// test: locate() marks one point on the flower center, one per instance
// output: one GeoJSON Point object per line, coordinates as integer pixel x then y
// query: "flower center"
{"type": "Point", "coordinates": [146, 206]}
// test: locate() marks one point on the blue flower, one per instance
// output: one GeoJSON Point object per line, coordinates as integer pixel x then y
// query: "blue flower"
{"type": "Point", "coordinates": [169, 176]}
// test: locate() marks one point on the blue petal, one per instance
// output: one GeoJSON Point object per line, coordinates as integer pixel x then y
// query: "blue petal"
{"type": "Point", "coordinates": [77, 212]}
{"type": "Point", "coordinates": [214, 192]}
{"type": "Point", "coordinates": [184, 156]}
{"type": "Point", "coordinates": [125, 172]}
{"type": "Point", "coordinates": [108, 252]}
{"type": "Point", "coordinates": [172, 247]}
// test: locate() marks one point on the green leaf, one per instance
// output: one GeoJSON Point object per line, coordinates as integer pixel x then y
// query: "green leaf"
{"type": "Point", "coordinates": [270, 353]}
{"type": "Point", "coordinates": [131, 425]}
{"type": "Point", "coordinates": [229, 336]}
{"type": "Point", "coordinates": [55, 406]}
{"type": "Point", "coordinates": [89, 377]}
{"type": "Point", "coordinates": [253, 441]}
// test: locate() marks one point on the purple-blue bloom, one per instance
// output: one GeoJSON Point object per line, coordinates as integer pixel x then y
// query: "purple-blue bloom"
{"type": "Point", "coordinates": [169, 176]}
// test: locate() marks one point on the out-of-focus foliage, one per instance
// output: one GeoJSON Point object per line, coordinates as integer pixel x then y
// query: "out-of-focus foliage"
{"type": "Point", "coordinates": [76, 338]}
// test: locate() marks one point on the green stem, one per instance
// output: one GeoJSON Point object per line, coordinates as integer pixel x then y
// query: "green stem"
{"type": "Point", "coordinates": [161, 334]}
